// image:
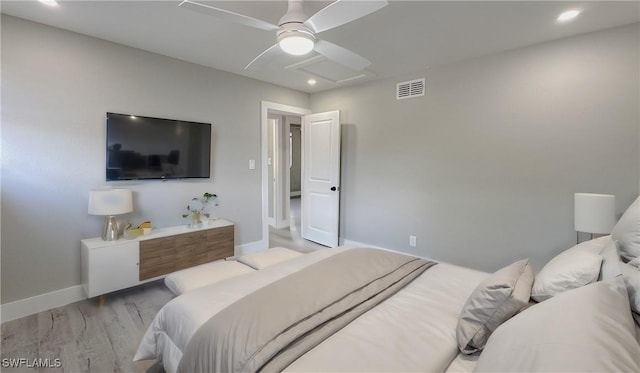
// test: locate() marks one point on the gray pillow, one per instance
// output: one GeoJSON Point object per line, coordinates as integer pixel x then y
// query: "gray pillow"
{"type": "Point", "coordinates": [588, 329]}
{"type": "Point", "coordinates": [493, 302]}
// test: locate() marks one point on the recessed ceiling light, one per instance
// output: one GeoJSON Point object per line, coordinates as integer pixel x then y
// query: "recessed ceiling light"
{"type": "Point", "coordinates": [568, 15]}
{"type": "Point", "coordinates": [311, 82]}
{"type": "Point", "coordinates": [49, 2]}
{"type": "Point", "coordinates": [133, 117]}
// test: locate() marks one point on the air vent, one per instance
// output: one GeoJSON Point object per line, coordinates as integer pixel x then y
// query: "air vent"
{"type": "Point", "coordinates": [412, 88]}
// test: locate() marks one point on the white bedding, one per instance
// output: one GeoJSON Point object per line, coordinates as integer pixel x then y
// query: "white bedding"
{"type": "Point", "coordinates": [414, 330]}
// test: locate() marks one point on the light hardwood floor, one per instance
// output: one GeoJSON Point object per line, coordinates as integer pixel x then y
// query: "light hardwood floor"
{"type": "Point", "coordinates": [87, 337]}
{"type": "Point", "coordinates": [290, 237]}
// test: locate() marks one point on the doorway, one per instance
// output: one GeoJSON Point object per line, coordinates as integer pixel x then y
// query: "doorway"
{"type": "Point", "coordinates": [281, 177]}
{"type": "Point", "coordinates": [283, 168]}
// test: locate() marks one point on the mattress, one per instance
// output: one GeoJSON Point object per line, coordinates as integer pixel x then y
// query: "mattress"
{"type": "Point", "coordinates": [413, 330]}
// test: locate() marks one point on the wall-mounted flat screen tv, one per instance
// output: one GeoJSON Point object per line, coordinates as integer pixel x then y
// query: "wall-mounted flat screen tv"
{"type": "Point", "coordinates": [141, 148]}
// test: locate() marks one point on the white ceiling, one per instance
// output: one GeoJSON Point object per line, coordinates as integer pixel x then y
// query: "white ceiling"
{"type": "Point", "coordinates": [404, 37]}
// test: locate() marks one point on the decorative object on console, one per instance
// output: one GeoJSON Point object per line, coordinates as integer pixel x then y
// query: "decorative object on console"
{"type": "Point", "coordinates": [110, 202]}
{"type": "Point", "coordinates": [198, 210]}
{"type": "Point", "coordinates": [142, 229]}
{"type": "Point", "coordinates": [594, 213]}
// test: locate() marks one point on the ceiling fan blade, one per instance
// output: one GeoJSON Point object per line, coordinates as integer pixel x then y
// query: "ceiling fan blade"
{"type": "Point", "coordinates": [341, 55]}
{"type": "Point", "coordinates": [341, 12]}
{"type": "Point", "coordinates": [264, 58]}
{"type": "Point", "coordinates": [228, 15]}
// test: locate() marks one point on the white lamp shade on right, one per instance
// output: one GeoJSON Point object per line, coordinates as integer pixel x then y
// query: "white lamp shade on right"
{"type": "Point", "coordinates": [595, 213]}
{"type": "Point", "coordinates": [110, 202]}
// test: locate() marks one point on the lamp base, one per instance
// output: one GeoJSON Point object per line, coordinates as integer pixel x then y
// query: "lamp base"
{"type": "Point", "coordinates": [110, 231]}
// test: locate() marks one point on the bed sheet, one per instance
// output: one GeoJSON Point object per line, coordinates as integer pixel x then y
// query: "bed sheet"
{"type": "Point", "coordinates": [414, 330]}
{"type": "Point", "coordinates": [174, 325]}
{"type": "Point", "coordinates": [463, 363]}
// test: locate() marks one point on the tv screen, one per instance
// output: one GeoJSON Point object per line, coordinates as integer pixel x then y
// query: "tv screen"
{"type": "Point", "coordinates": [153, 148]}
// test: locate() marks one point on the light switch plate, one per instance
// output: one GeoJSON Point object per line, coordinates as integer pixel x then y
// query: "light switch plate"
{"type": "Point", "coordinates": [252, 164]}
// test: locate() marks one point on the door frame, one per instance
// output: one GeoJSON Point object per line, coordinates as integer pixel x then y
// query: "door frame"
{"type": "Point", "coordinates": [266, 108]}
{"type": "Point", "coordinates": [274, 185]}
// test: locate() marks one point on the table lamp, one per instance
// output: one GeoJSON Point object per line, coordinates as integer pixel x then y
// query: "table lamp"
{"type": "Point", "coordinates": [595, 213]}
{"type": "Point", "coordinates": [110, 202]}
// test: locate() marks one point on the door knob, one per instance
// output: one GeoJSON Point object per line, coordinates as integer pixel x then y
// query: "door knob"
{"type": "Point", "coordinates": [333, 189]}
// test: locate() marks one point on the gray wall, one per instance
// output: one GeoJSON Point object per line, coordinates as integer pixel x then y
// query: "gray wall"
{"type": "Point", "coordinates": [483, 168]}
{"type": "Point", "coordinates": [56, 88]}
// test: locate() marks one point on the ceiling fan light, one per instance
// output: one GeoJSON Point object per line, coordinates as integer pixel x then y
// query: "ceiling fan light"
{"type": "Point", "coordinates": [296, 43]}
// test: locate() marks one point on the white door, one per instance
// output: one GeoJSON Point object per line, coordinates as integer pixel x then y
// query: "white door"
{"type": "Point", "coordinates": [321, 177]}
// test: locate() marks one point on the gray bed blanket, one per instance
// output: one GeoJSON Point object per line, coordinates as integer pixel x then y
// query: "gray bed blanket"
{"type": "Point", "coordinates": [273, 326]}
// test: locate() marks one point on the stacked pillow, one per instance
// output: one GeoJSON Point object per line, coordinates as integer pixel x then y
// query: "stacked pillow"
{"type": "Point", "coordinates": [493, 302]}
{"type": "Point", "coordinates": [603, 258]}
{"type": "Point", "coordinates": [627, 233]}
{"type": "Point", "coordinates": [614, 259]}
{"type": "Point", "coordinates": [585, 330]}
{"type": "Point", "coordinates": [623, 256]}
{"type": "Point", "coordinates": [571, 269]}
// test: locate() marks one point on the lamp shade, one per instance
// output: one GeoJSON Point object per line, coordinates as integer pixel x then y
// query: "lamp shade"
{"type": "Point", "coordinates": [110, 202]}
{"type": "Point", "coordinates": [595, 213]}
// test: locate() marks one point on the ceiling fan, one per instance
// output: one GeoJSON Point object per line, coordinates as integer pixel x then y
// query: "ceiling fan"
{"type": "Point", "coordinates": [296, 33]}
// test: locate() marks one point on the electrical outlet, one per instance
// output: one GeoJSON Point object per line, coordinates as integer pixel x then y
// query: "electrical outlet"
{"type": "Point", "coordinates": [412, 241]}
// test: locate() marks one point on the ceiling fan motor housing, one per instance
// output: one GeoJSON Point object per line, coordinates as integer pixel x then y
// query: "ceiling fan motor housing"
{"type": "Point", "coordinates": [295, 28]}
{"type": "Point", "coordinates": [294, 14]}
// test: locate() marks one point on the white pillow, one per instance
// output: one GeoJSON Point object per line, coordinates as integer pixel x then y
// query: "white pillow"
{"type": "Point", "coordinates": [205, 274]}
{"type": "Point", "coordinates": [589, 329]}
{"type": "Point", "coordinates": [494, 301]}
{"type": "Point", "coordinates": [269, 257]}
{"type": "Point", "coordinates": [627, 232]}
{"type": "Point", "coordinates": [594, 246]}
{"type": "Point", "coordinates": [612, 266]}
{"type": "Point", "coordinates": [570, 269]}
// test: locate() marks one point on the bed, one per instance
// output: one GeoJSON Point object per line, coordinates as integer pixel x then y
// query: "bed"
{"type": "Point", "coordinates": [581, 325]}
{"type": "Point", "coordinates": [439, 294]}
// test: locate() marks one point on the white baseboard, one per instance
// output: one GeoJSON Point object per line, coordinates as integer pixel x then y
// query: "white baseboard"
{"type": "Point", "coordinates": [251, 247]}
{"type": "Point", "coordinates": [346, 242]}
{"type": "Point", "coordinates": [29, 306]}
{"type": "Point", "coordinates": [295, 194]}
{"type": "Point", "coordinates": [282, 224]}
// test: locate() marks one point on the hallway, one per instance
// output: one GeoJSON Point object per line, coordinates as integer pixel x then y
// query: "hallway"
{"type": "Point", "coordinates": [290, 237]}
